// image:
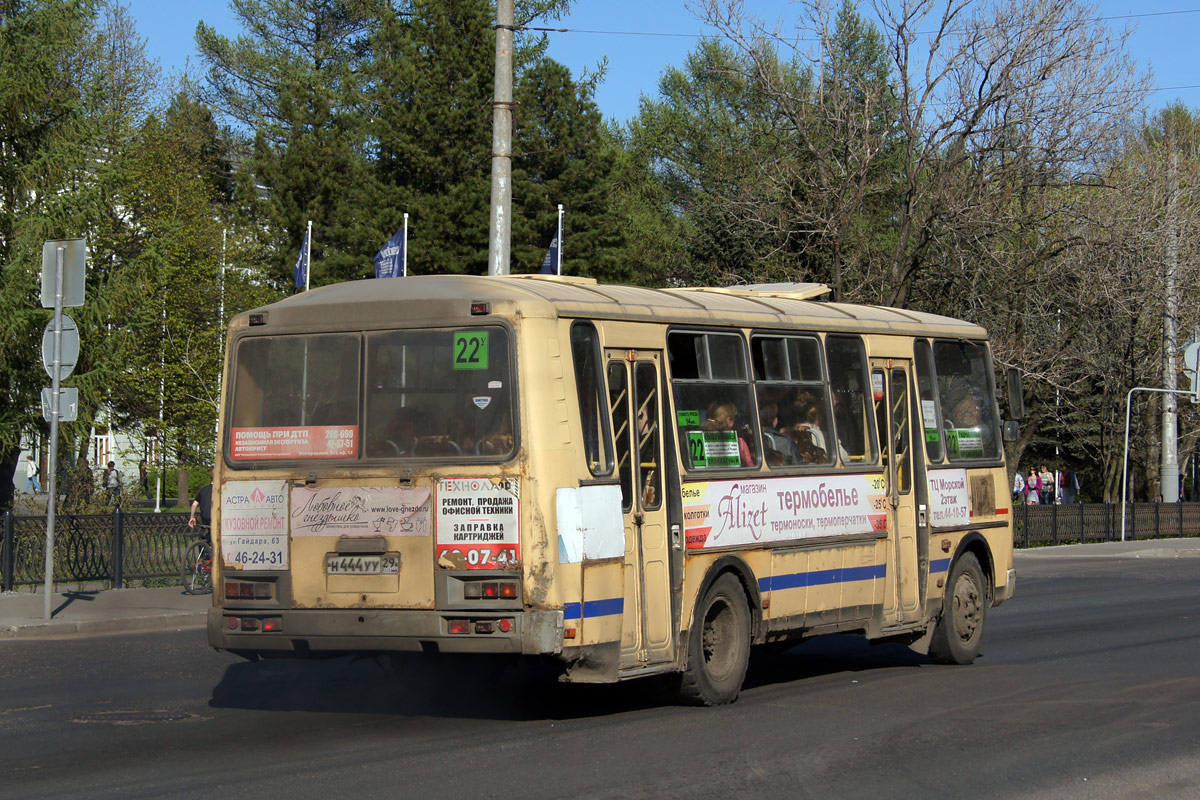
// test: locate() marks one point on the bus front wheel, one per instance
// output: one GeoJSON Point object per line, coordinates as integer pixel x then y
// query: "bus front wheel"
{"type": "Point", "coordinates": [959, 632]}
{"type": "Point", "coordinates": [718, 645]}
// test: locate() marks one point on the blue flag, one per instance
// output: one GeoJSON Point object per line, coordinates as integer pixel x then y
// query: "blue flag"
{"type": "Point", "coordinates": [550, 262]}
{"type": "Point", "coordinates": [299, 272]}
{"type": "Point", "coordinates": [389, 261]}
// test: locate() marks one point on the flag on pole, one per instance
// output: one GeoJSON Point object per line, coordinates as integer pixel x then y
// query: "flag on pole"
{"type": "Point", "coordinates": [389, 261]}
{"type": "Point", "coordinates": [550, 262]}
{"type": "Point", "coordinates": [300, 271]}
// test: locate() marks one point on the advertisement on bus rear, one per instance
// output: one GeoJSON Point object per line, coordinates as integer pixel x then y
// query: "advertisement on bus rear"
{"type": "Point", "coordinates": [477, 523]}
{"type": "Point", "coordinates": [749, 512]}
{"type": "Point", "coordinates": [254, 525]}
{"type": "Point", "coordinates": [360, 511]}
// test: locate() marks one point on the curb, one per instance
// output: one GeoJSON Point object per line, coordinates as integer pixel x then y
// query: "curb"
{"type": "Point", "coordinates": [55, 629]}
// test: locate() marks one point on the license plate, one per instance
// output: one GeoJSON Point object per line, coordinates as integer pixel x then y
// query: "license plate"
{"type": "Point", "coordinates": [385, 564]}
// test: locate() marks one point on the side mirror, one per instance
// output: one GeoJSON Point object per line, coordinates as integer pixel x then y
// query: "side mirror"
{"type": "Point", "coordinates": [1012, 430]}
{"type": "Point", "coordinates": [1016, 398]}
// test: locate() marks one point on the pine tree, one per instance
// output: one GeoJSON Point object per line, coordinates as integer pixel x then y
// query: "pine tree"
{"type": "Point", "coordinates": [296, 81]}
{"type": "Point", "coordinates": [564, 155]}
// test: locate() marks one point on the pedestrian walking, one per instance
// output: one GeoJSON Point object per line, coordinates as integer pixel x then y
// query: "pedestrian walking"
{"type": "Point", "coordinates": [1018, 485]}
{"type": "Point", "coordinates": [1046, 486]}
{"type": "Point", "coordinates": [33, 472]}
{"type": "Point", "coordinates": [144, 478]}
{"type": "Point", "coordinates": [112, 483]}
{"type": "Point", "coordinates": [1068, 485]}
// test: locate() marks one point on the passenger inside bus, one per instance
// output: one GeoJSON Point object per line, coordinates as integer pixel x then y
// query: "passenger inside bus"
{"type": "Point", "coordinates": [780, 449]}
{"type": "Point", "coordinates": [723, 416]}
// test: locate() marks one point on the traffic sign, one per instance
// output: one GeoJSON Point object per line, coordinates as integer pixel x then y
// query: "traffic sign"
{"type": "Point", "coordinates": [69, 355]}
{"type": "Point", "coordinates": [68, 404]}
{"type": "Point", "coordinates": [74, 259]}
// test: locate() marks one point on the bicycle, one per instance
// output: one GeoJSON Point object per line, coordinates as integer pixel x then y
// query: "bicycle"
{"type": "Point", "coordinates": [197, 567]}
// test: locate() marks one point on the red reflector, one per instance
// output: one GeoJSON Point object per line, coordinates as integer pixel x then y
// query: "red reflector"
{"type": "Point", "coordinates": [458, 626]}
{"type": "Point", "coordinates": [490, 590]}
{"type": "Point", "coordinates": [508, 590]}
{"type": "Point", "coordinates": [483, 627]}
{"type": "Point", "coordinates": [569, 633]}
{"type": "Point", "coordinates": [505, 625]}
{"type": "Point", "coordinates": [233, 623]}
{"type": "Point", "coordinates": [479, 309]}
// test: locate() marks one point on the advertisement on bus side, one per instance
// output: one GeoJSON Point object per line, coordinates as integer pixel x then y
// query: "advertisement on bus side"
{"type": "Point", "coordinates": [749, 512]}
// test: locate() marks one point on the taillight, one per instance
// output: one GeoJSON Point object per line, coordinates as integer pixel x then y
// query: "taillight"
{"type": "Point", "coordinates": [490, 590]}
{"type": "Point", "coordinates": [458, 626]}
{"type": "Point", "coordinates": [247, 590]}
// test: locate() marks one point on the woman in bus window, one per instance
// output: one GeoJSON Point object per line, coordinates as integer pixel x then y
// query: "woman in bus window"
{"type": "Point", "coordinates": [724, 417]}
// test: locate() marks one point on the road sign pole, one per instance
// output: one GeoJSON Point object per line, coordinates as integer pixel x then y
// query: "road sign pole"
{"type": "Point", "coordinates": [51, 482]}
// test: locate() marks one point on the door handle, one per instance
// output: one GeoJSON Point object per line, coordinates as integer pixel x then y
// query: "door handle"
{"type": "Point", "coordinates": [675, 540]}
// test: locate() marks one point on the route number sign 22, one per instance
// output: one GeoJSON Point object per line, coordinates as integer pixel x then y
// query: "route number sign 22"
{"type": "Point", "coordinates": [470, 349]}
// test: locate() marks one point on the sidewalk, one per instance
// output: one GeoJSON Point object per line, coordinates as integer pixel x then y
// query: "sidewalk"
{"type": "Point", "coordinates": [132, 610]}
{"type": "Point", "coordinates": [1139, 548]}
{"type": "Point", "coordinates": [101, 612]}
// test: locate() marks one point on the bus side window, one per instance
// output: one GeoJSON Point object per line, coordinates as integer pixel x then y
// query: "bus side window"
{"type": "Point", "coordinates": [585, 352]}
{"type": "Point", "coordinates": [851, 393]}
{"type": "Point", "coordinates": [714, 409]}
{"type": "Point", "coordinates": [927, 394]}
{"type": "Point", "coordinates": [618, 407]}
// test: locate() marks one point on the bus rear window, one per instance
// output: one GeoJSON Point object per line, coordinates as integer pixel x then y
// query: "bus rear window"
{"type": "Point", "coordinates": [415, 394]}
{"type": "Point", "coordinates": [439, 394]}
{"type": "Point", "coordinates": [295, 397]}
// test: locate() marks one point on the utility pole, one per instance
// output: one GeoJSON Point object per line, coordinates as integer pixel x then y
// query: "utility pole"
{"type": "Point", "coordinates": [1169, 469]}
{"type": "Point", "coordinates": [501, 217]}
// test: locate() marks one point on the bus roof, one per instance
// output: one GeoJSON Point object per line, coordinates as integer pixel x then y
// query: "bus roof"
{"type": "Point", "coordinates": [436, 297]}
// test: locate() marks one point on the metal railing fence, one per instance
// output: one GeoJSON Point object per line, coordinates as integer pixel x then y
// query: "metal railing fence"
{"type": "Point", "coordinates": [112, 548]}
{"type": "Point", "coordinates": [119, 547]}
{"type": "Point", "coordinates": [1080, 523]}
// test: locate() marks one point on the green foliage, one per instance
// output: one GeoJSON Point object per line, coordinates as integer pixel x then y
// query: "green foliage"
{"type": "Point", "coordinates": [563, 155]}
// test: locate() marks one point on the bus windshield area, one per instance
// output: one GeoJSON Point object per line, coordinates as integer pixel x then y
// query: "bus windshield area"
{"type": "Point", "coordinates": [964, 391]}
{"type": "Point", "coordinates": [403, 394]}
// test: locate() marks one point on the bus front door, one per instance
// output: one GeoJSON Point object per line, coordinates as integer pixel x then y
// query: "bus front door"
{"type": "Point", "coordinates": [890, 386]}
{"type": "Point", "coordinates": [635, 403]}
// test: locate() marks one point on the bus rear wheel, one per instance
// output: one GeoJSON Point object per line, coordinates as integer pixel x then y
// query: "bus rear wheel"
{"type": "Point", "coordinates": [959, 633]}
{"type": "Point", "coordinates": [718, 645]}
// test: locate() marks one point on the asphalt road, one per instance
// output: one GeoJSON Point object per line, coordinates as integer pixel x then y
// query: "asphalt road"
{"type": "Point", "coordinates": [1088, 686]}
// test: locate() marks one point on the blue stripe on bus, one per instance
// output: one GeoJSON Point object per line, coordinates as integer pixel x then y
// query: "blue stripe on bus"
{"type": "Point", "coordinates": [594, 608]}
{"type": "Point", "coordinates": [822, 577]}
{"type": "Point", "coordinates": [940, 565]}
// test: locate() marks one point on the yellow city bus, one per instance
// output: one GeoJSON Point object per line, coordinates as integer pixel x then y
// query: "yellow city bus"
{"type": "Point", "coordinates": [628, 481]}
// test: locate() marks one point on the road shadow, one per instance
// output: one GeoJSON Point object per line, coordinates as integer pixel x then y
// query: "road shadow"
{"type": "Point", "coordinates": [508, 689]}
{"type": "Point", "coordinates": [827, 655]}
{"type": "Point", "coordinates": [404, 685]}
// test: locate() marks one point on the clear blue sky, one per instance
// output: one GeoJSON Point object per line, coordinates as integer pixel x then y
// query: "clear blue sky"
{"type": "Point", "coordinates": [1164, 41]}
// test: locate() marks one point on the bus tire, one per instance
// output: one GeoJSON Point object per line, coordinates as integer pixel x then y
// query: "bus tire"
{"type": "Point", "coordinates": [959, 633]}
{"type": "Point", "coordinates": [718, 645]}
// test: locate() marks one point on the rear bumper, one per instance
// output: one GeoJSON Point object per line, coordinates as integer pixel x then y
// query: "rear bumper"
{"type": "Point", "coordinates": [307, 631]}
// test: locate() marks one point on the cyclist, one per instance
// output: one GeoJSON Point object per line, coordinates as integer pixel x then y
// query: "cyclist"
{"type": "Point", "coordinates": [203, 504]}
